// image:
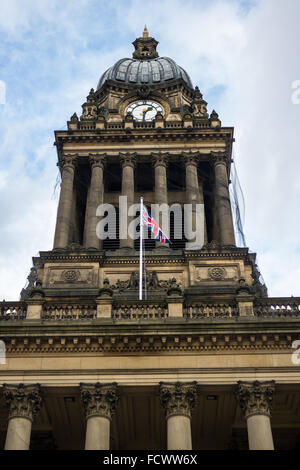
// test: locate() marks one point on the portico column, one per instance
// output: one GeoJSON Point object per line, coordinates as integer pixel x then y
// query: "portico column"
{"type": "Point", "coordinates": [99, 402]}
{"type": "Point", "coordinates": [223, 205]}
{"type": "Point", "coordinates": [161, 192]}
{"type": "Point", "coordinates": [178, 399]}
{"type": "Point", "coordinates": [128, 164]}
{"type": "Point", "coordinates": [24, 401]}
{"type": "Point", "coordinates": [64, 212]}
{"type": "Point", "coordinates": [95, 198]}
{"type": "Point", "coordinates": [194, 188]}
{"type": "Point", "coordinates": [255, 400]}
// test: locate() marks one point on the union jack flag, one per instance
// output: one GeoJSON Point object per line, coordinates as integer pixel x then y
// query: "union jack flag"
{"type": "Point", "coordinates": [149, 222]}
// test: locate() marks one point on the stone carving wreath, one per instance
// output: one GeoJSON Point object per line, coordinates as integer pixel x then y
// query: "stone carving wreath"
{"type": "Point", "coordinates": [71, 275]}
{"type": "Point", "coordinates": [217, 274]}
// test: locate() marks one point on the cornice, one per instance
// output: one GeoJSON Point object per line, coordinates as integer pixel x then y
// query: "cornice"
{"type": "Point", "coordinates": [151, 259]}
{"type": "Point", "coordinates": [141, 134]}
{"type": "Point", "coordinates": [132, 342]}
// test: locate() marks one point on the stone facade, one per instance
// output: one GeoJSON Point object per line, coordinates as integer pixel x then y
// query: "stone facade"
{"type": "Point", "coordinates": [191, 365]}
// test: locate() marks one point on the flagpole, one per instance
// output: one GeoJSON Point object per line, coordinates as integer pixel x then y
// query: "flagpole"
{"type": "Point", "coordinates": [141, 251]}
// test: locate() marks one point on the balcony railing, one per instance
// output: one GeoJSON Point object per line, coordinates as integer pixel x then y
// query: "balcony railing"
{"type": "Point", "coordinates": [12, 311]}
{"type": "Point", "coordinates": [262, 308]}
{"type": "Point", "coordinates": [277, 307]}
{"type": "Point", "coordinates": [205, 310]}
{"type": "Point", "coordinates": [68, 312]}
{"type": "Point", "coordinates": [139, 312]}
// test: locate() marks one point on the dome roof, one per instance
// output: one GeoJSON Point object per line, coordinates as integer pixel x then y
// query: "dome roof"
{"type": "Point", "coordinates": [150, 71]}
{"type": "Point", "coordinates": [145, 67]}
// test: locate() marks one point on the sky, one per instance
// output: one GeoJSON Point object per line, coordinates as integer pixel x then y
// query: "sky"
{"type": "Point", "coordinates": [243, 55]}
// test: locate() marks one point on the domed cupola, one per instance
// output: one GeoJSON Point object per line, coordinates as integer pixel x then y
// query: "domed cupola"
{"type": "Point", "coordinates": [146, 67]}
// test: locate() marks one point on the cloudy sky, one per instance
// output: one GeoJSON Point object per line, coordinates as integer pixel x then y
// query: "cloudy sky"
{"type": "Point", "coordinates": [243, 55]}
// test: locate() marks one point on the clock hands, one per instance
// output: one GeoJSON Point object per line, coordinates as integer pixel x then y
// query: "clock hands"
{"type": "Point", "coordinates": [145, 111]}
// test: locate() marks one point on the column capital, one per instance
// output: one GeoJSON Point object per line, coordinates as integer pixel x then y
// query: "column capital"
{"type": "Point", "coordinates": [128, 159]}
{"type": "Point", "coordinates": [24, 401]}
{"type": "Point", "coordinates": [68, 161]}
{"type": "Point", "coordinates": [178, 399]}
{"type": "Point", "coordinates": [160, 159]}
{"type": "Point", "coordinates": [191, 158]}
{"type": "Point", "coordinates": [97, 159]}
{"type": "Point", "coordinates": [219, 158]}
{"type": "Point", "coordinates": [99, 399]}
{"type": "Point", "coordinates": [255, 398]}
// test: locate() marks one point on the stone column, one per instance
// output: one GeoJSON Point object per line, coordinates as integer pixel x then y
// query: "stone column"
{"type": "Point", "coordinates": [161, 191]}
{"type": "Point", "coordinates": [223, 205]}
{"type": "Point", "coordinates": [64, 212]}
{"type": "Point", "coordinates": [24, 401]}
{"type": "Point", "coordinates": [99, 402]}
{"type": "Point", "coordinates": [255, 399]}
{"type": "Point", "coordinates": [128, 164]}
{"type": "Point", "coordinates": [95, 198]}
{"type": "Point", "coordinates": [194, 188]}
{"type": "Point", "coordinates": [178, 399]}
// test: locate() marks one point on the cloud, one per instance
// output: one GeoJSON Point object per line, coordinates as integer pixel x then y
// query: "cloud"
{"type": "Point", "coordinates": [244, 56]}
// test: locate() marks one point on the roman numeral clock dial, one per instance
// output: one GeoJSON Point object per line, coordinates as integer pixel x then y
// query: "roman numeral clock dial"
{"type": "Point", "coordinates": [144, 110]}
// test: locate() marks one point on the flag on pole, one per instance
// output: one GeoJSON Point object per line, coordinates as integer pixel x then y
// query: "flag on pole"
{"type": "Point", "coordinates": [152, 225]}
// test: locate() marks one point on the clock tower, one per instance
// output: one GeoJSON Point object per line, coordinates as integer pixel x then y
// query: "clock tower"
{"type": "Point", "coordinates": [192, 364]}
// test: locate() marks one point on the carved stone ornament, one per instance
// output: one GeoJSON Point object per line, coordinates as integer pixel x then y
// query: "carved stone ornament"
{"type": "Point", "coordinates": [219, 158]}
{"type": "Point", "coordinates": [255, 398]}
{"type": "Point", "coordinates": [217, 273]}
{"type": "Point", "coordinates": [31, 280]}
{"type": "Point", "coordinates": [68, 161]}
{"type": "Point", "coordinates": [150, 281]}
{"type": "Point", "coordinates": [70, 275]}
{"type": "Point", "coordinates": [99, 399]}
{"type": "Point", "coordinates": [24, 401]}
{"type": "Point", "coordinates": [128, 159]}
{"type": "Point", "coordinates": [191, 158]}
{"type": "Point", "coordinates": [97, 160]}
{"type": "Point", "coordinates": [213, 245]}
{"type": "Point", "coordinates": [74, 118]}
{"type": "Point", "coordinates": [160, 159]}
{"type": "Point", "coordinates": [144, 91]}
{"type": "Point", "coordinates": [178, 399]}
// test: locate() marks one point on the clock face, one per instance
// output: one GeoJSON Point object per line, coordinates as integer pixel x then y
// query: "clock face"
{"type": "Point", "coordinates": [144, 110]}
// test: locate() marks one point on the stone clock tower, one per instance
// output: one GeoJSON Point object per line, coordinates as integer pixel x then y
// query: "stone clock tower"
{"type": "Point", "coordinates": [196, 363]}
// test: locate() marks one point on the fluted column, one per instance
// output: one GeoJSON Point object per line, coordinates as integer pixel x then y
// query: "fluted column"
{"type": "Point", "coordinates": [223, 205]}
{"type": "Point", "coordinates": [128, 164]}
{"type": "Point", "coordinates": [255, 400]}
{"type": "Point", "coordinates": [24, 401]}
{"type": "Point", "coordinates": [99, 402]}
{"type": "Point", "coordinates": [64, 212]}
{"type": "Point", "coordinates": [178, 399]}
{"type": "Point", "coordinates": [95, 198]}
{"type": "Point", "coordinates": [194, 189]}
{"type": "Point", "coordinates": [161, 191]}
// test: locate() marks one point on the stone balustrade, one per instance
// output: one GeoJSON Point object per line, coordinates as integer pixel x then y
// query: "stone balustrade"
{"type": "Point", "coordinates": [69, 312]}
{"type": "Point", "coordinates": [91, 126]}
{"type": "Point", "coordinates": [205, 310]}
{"type": "Point", "coordinates": [262, 308]}
{"type": "Point", "coordinates": [13, 310]}
{"type": "Point", "coordinates": [277, 307]}
{"type": "Point", "coordinates": [140, 312]}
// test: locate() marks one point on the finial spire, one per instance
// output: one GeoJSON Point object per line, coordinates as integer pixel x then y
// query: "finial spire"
{"type": "Point", "coordinates": [145, 33]}
{"type": "Point", "coordinates": [145, 47]}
